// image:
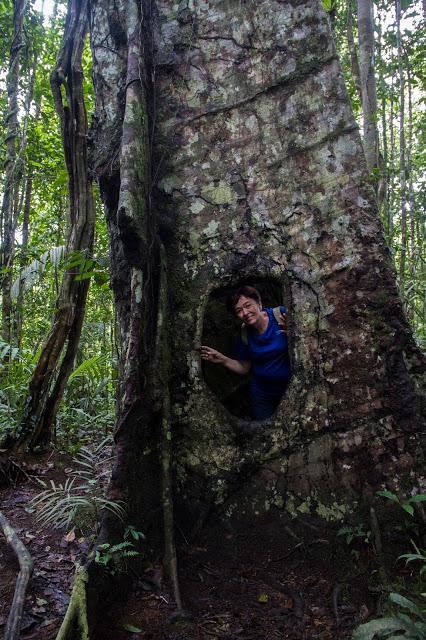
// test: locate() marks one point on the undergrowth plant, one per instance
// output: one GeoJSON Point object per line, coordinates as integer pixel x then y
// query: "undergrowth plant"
{"type": "Point", "coordinates": [16, 366]}
{"type": "Point", "coordinates": [78, 501]}
{"type": "Point", "coordinates": [354, 534]}
{"type": "Point", "coordinates": [398, 627]}
{"type": "Point", "coordinates": [87, 409]}
{"type": "Point", "coordinates": [114, 557]}
{"type": "Point", "coordinates": [409, 620]}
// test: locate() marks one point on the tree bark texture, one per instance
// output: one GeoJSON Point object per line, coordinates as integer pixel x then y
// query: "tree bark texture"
{"type": "Point", "coordinates": [57, 357]}
{"type": "Point", "coordinates": [402, 153]}
{"type": "Point", "coordinates": [240, 154]}
{"type": "Point", "coordinates": [261, 176]}
{"type": "Point", "coordinates": [13, 625]}
{"type": "Point", "coordinates": [368, 83]}
{"type": "Point", "coordinates": [8, 221]}
{"type": "Point", "coordinates": [352, 50]}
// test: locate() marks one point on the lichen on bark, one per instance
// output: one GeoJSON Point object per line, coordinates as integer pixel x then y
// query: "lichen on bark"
{"type": "Point", "coordinates": [264, 177]}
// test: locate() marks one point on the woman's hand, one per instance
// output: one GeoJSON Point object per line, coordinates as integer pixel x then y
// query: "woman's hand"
{"type": "Point", "coordinates": [207, 353]}
{"type": "Point", "coordinates": [242, 367]}
{"type": "Point", "coordinates": [283, 322]}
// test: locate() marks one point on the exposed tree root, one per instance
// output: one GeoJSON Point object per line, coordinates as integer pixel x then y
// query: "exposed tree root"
{"type": "Point", "coordinates": [75, 625]}
{"type": "Point", "coordinates": [170, 557]}
{"type": "Point", "coordinates": [378, 547]}
{"type": "Point", "coordinates": [13, 624]}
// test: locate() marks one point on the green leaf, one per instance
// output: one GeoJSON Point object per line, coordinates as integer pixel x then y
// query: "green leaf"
{"type": "Point", "coordinates": [85, 276]}
{"type": "Point", "coordinates": [263, 598]}
{"type": "Point", "coordinates": [389, 495]}
{"type": "Point", "coordinates": [132, 628]}
{"type": "Point", "coordinates": [420, 497]}
{"type": "Point", "coordinates": [408, 508]}
{"type": "Point", "coordinates": [368, 630]}
{"type": "Point", "coordinates": [405, 603]}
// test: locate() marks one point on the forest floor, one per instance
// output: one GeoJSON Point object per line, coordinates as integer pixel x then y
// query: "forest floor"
{"type": "Point", "coordinates": [280, 578]}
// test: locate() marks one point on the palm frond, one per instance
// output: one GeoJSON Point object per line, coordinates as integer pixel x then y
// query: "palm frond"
{"type": "Point", "coordinates": [33, 271]}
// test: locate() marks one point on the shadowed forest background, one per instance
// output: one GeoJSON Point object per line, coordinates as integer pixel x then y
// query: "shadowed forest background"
{"type": "Point", "coordinates": [61, 356]}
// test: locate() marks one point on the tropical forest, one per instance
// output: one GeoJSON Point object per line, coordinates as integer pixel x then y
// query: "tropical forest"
{"type": "Point", "coordinates": [213, 319]}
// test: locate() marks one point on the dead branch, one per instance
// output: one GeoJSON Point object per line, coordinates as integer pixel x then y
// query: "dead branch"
{"type": "Point", "coordinates": [13, 624]}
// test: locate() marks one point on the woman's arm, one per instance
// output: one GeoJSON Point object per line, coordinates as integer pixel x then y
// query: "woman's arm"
{"type": "Point", "coordinates": [237, 366]}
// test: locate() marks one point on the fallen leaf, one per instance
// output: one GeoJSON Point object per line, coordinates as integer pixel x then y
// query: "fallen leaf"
{"type": "Point", "coordinates": [47, 623]}
{"type": "Point", "coordinates": [263, 598]}
{"type": "Point", "coordinates": [70, 537]}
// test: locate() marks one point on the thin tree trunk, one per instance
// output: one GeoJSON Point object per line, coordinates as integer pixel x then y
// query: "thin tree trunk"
{"type": "Point", "coordinates": [368, 83]}
{"type": "Point", "coordinates": [382, 190]}
{"type": "Point", "coordinates": [352, 50]}
{"type": "Point", "coordinates": [47, 382]}
{"type": "Point", "coordinates": [392, 170]}
{"type": "Point", "coordinates": [27, 192]}
{"type": "Point", "coordinates": [11, 169]}
{"type": "Point", "coordinates": [18, 315]}
{"type": "Point", "coordinates": [402, 167]}
{"type": "Point", "coordinates": [411, 194]}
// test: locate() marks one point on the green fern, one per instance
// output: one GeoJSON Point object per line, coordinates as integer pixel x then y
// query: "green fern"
{"type": "Point", "coordinates": [79, 501]}
{"type": "Point", "coordinates": [65, 505]}
{"type": "Point", "coordinates": [406, 627]}
{"type": "Point", "coordinates": [114, 557]}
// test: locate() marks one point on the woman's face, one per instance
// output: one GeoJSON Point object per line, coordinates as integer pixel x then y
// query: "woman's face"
{"type": "Point", "coordinates": [248, 310]}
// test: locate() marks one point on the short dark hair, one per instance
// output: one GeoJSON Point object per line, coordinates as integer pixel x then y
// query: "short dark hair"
{"type": "Point", "coordinates": [247, 291]}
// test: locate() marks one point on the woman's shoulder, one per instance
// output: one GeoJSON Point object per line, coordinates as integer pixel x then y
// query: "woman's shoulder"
{"type": "Point", "coordinates": [274, 312]}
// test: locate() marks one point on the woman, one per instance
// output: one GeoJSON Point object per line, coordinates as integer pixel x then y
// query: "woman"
{"type": "Point", "coordinates": [262, 350]}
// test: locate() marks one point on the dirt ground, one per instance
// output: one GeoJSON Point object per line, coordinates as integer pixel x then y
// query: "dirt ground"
{"type": "Point", "coordinates": [280, 578]}
{"type": "Point", "coordinates": [54, 556]}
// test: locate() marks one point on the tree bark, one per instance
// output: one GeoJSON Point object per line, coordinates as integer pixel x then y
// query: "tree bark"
{"type": "Point", "coordinates": [27, 191]}
{"type": "Point", "coordinates": [411, 193]}
{"type": "Point", "coordinates": [13, 625]}
{"type": "Point", "coordinates": [402, 159]}
{"type": "Point", "coordinates": [356, 77]}
{"type": "Point", "coordinates": [11, 169]}
{"type": "Point", "coordinates": [391, 229]}
{"type": "Point", "coordinates": [18, 315]}
{"type": "Point", "coordinates": [368, 84]}
{"type": "Point", "coordinates": [51, 373]}
{"type": "Point", "coordinates": [276, 163]}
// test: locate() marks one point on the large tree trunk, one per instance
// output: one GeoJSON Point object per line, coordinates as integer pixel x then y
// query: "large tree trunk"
{"type": "Point", "coordinates": [228, 138]}
{"type": "Point", "coordinates": [258, 174]}
{"type": "Point", "coordinates": [262, 177]}
{"type": "Point", "coordinates": [57, 357]}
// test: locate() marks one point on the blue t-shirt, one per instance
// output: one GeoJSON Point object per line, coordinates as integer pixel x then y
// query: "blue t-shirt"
{"type": "Point", "coordinates": [270, 365]}
{"type": "Point", "coordinates": [267, 352]}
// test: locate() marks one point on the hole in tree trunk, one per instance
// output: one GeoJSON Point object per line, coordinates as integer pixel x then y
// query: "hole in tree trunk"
{"type": "Point", "coordinates": [222, 331]}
